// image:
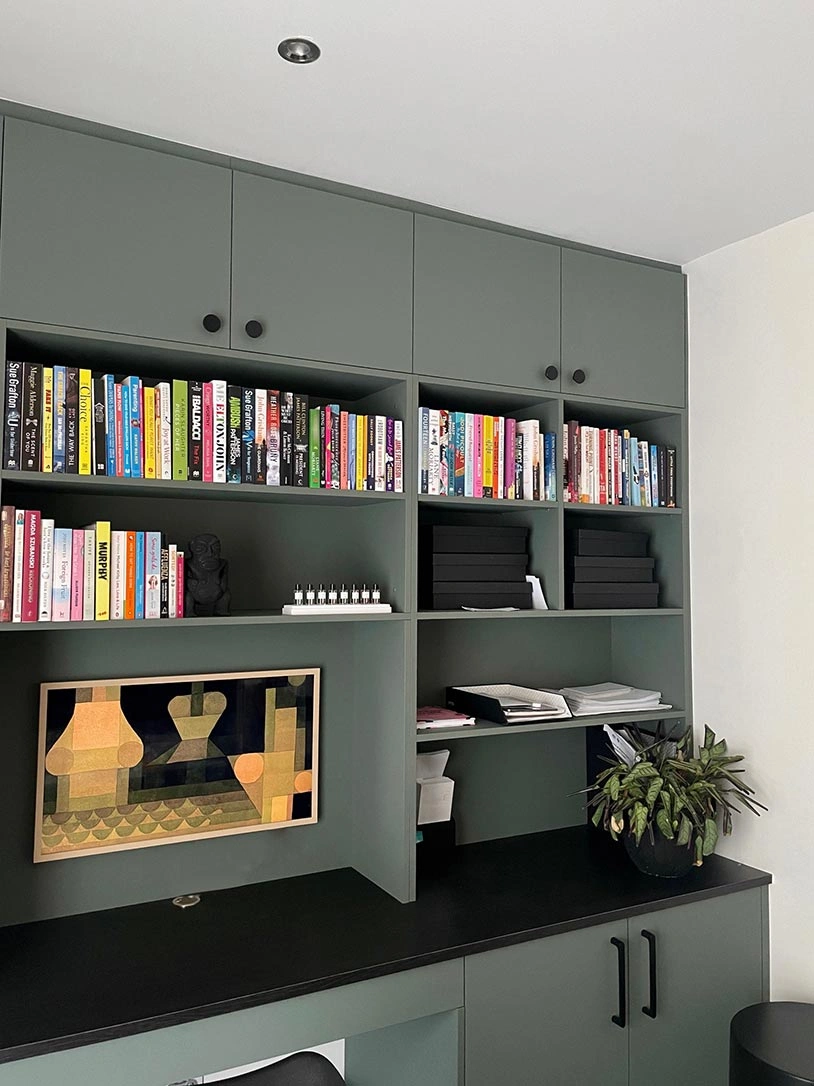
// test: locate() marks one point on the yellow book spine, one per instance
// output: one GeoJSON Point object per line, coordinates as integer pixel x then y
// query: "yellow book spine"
{"type": "Point", "coordinates": [361, 452]}
{"type": "Point", "coordinates": [102, 570]}
{"type": "Point", "coordinates": [85, 421]}
{"type": "Point", "coordinates": [48, 419]}
{"type": "Point", "coordinates": [149, 432]}
{"type": "Point", "coordinates": [488, 454]}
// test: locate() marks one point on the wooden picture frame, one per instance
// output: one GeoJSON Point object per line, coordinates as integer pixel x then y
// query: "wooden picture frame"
{"type": "Point", "coordinates": [136, 762]}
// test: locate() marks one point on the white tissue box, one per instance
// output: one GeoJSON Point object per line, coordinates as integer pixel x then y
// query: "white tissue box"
{"type": "Point", "coordinates": [434, 797]}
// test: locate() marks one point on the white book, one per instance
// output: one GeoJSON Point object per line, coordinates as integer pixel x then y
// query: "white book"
{"type": "Point", "coordinates": [526, 428]}
{"type": "Point", "coordinates": [398, 457]}
{"type": "Point", "coordinates": [46, 569]}
{"type": "Point", "coordinates": [173, 580]}
{"type": "Point", "coordinates": [644, 456]}
{"type": "Point", "coordinates": [469, 455]}
{"type": "Point", "coordinates": [152, 575]}
{"type": "Point", "coordinates": [61, 582]}
{"type": "Point", "coordinates": [500, 454]}
{"type": "Point", "coordinates": [118, 573]}
{"type": "Point", "coordinates": [423, 449]}
{"type": "Point", "coordinates": [19, 545]}
{"type": "Point", "coordinates": [538, 462]}
{"type": "Point", "coordinates": [163, 412]}
{"type": "Point", "coordinates": [380, 457]}
{"type": "Point", "coordinates": [434, 454]}
{"type": "Point", "coordinates": [219, 435]}
{"type": "Point", "coordinates": [89, 583]}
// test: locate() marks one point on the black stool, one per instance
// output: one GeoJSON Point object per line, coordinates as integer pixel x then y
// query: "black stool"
{"type": "Point", "coordinates": [772, 1044]}
{"type": "Point", "coordinates": [302, 1069]}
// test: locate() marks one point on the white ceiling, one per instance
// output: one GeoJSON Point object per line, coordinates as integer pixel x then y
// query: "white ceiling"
{"type": "Point", "coordinates": [666, 128]}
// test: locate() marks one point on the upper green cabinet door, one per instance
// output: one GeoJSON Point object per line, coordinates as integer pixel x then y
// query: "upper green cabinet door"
{"type": "Point", "coordinates": [487, 306]}
{"type": "Point", "coordinates": [320, 276]}
{"type": "Point", "coordinates": [709, 962]}
{"type": "Point", "coordinates": [540, 1012]}
{"type": "Point", "coordinates": [102, 235]}
{"type": "Point", "coordinates": [623, 328]}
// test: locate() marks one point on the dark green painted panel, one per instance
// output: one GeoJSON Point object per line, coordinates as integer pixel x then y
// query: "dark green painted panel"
{"type": "Point", "coordinates": [103, 235]}
{"type": "Point", "coordinates": [487, 305]}
{"type": "Point", "coordinates": [710, 965]}
{"type": "Point", "coordinates": [420, 1053]}
{"type": "Point", "coordinates": [623, 324]}
{"type": "Point", "coordinates": [540, 1012]}
{"type": "Point", "coordinates": [328, 277]}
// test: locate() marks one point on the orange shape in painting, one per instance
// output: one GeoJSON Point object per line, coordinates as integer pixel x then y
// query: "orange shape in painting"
{"type": "Point", "coordinates": [249, 768]}
{"type": "Point", "coordinates": [303, 782]}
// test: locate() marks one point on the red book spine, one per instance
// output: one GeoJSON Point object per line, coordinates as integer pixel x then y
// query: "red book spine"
{"type": "Point", "coordinates": [130, 576]}
{"type": "Point", "coordinates": [31, 566]}
{"type": "Point", "coordinates": [208, 432]}
{"type": "Point", "coordinates": [343, 450]}
{"type": "Point", "coordinates": [179, 585]}
{"type": "Point", "coordinates": [77, 577]}
{"type": "Point", "coordinates": [603, 467]}
{"type": "Point", "coordinates": [328, 475]}
{"type": "Point", "coordinates": [119, 433]}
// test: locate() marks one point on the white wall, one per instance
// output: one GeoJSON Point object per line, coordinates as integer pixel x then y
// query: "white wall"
{"type": "Point", "coordinates": [751, 311]}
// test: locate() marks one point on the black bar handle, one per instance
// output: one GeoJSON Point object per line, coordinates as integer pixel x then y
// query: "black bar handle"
{"type": "Point", "coordinates": [620, 1019]}
{"type": "Point", "coordinates": [651, 1010]}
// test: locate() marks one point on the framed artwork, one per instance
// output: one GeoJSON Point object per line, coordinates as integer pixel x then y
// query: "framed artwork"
{"type": "Point", "coordinates": [128, 763]}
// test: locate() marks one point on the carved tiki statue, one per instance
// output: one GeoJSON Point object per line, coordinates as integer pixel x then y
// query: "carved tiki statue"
{"type": "Point", "coordinates": [207, 578]}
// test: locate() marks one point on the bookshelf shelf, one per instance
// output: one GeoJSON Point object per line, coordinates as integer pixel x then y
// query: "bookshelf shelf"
{"type": "Point", "coordinates": [638, 612]}
{"type": "Point", "coordinates": [485, 727]}
{"type": "Point", "coordinates": [496, 505]}
{"type": "Point", "coordinates": [640, 510]}
{"type": "Point", "coordinates": [248, 618]}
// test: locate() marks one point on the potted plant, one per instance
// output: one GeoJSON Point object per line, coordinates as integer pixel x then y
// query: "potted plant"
{"type": "Point", "coordinates": [667, 802]}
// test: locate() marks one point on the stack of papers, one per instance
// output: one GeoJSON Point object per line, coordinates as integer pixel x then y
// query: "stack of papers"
{"type": "Point", "coordinates": [433, 716]}
{"type": "Point", "coordinates": [605, 698]}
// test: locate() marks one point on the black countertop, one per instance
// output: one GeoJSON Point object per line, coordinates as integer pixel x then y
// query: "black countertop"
{"type": "Point", "coordinates": [149, 966]}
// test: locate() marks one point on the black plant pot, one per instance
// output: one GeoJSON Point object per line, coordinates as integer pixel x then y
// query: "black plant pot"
{"type": "Point", "coordinates": [657, 855]}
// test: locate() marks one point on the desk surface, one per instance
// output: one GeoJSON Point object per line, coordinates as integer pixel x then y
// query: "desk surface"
{"type": "Point", "coordinates": [95, 977]}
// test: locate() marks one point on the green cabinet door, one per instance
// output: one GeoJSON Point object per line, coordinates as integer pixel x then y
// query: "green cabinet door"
{"type": "Point", "coordinates": [709, 964]}
{"type": "Point", "coordinates": [321, 276]}
{"type": "Point", "coordinates": [623, 328]}
{"type": "Point", "coordinates": [539, 1014]}
{"type": "Point", "coordinates": [487, 306]}
{"type": "Point", "coordinates": [102, 235]}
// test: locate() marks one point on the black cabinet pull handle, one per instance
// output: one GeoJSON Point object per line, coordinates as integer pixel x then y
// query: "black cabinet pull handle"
{"type": "Point", "coordinates": [254, 329]}
{"type": "Point", "coordinates": [212, 322]}
{"type": "Point", "coordinates": [651, 1010]}
{"type": "Point", "coordinates": [620, 1019]}
{"type": "Point", "coordinates": [551, 373]}
{"type": "Point", "coordinates": [578, 377]}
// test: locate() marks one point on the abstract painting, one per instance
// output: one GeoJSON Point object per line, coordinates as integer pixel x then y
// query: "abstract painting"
{"type": "Point", "coordinates": [127, 763]}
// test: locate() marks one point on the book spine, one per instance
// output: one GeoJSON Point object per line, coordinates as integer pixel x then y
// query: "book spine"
{"type": "Point", "coordinates": [60, 394]}
{"type": "Point", "coordinates": [459, 440]}
{"type": "Point", "coordinates": [325, 463]}
{"type": "Point", "coordinates": [130, 575]}
{"type": "Point", "coordinates": [586, 467]}
{"type": "Point", "coordinates": [78, 575]}
{"type": "Point", "coordinates": [150, 429]}
{"type": "Point", "coordinates": [286, 438]}
{"type": "Point", "coordinates": [102, 568]}
{"type": "Point", "coordinates": [99, 426]}
{"type": "Point", "coordinates": [424, 449]}
{"type": "Point", "coordinates": [152, 575]}
{"type": "Point", "coordinates": [566, 452]}
{"type": "Point", "coordinates": [165, 581]}
{"type": "Point", "coordinates": [361, 451]}
{"type": "Point", "coordinates": [118, 574]}
{"type": "Point", "coordinates": [180, 425]}
{"type": "Point", "coordinates": [537, 465]}
{"type": "Point", "coordinates": [61, 592]}
{"type": "Point", "coordinates": [273, 438]}
{"type": "Point", "coordinates": [127, 430]}
{"type": "Point", "coordinates": [180, 583]}
{"type": "Point", "coordinates": [672, 491]}
{"type": "Point", "coordinates": [370, 445]}
{"type": "Point", "coordinates": [261, 415]}
{"type": "Point", "coordinates": [17, 573]}
{"type": "Point", "coordinates": [603, 468]}
{"type": "Point", "coordinates": [477, 453]}
{"type": "Point", "coordinates": [509, 472]}
{"type": "Point", "coordinates": [118, 429]}
{"type": "Point", "coordinates": [469, 454]}
{"type": "Point", "coordinates": [335, 446]}
{"type": "Point", "coordinates": [313, 447]}
{"type": "Point", "coordinates": [352, 451]}
{"type": "Point", "coordinates": [654, 475]}
{"type": "Point", "coordinates": [32, 422]}
{"type": "Point", "coordinates": [195, 452]}
{"type": "Point", "coordinates": [163, 430]}
{"type": "Point", "coordinates": [662, 465]}
{"type": "Point", "coordinates": [135, 436]}
{"type": "Point", "coordinates": [519, 462]}
{"type": "Point", "coordinates": [46, 570]}
{"type": "Point", "coordinates": [443, 446]}
{"type": "Point", "coordinates": [172, 580]}
{"type": "Point", "coordinates": [300, 442]}
{"type": "Point", "coordinates": [219, 431]}
{"type": "Point", "coordinates": [434, 453]}
{"type": "Point", "coordinates": [47, 459]}
{"type": "Point", "coordinates": [550, 458]}
{"type": "Point", "coordinates": [488, 438]}
{"type": "Point", "coordinates": [644, 472]}
{"type": "Point", "coordinates": [247, 435]}
{"type": "Point", "coordinates": [31, 566]}
{"type": "Point", "coordinates": [343, 450]}
{"type": "Point", "coordinates": [526, 490]}
{"type": "Point", "coordinates": [85, 416]}
{"type": "Point", "coordinates": [380, 482]}
{"type": "Point", "coordinates": [139, 575]}
{"type": "Point", "coordinates": [398, 456]}
{"type": "Point", "coordinates": [89, 574]}
{"type": "Point", "coordinates": [390, 455]}
{"type": "Point", "coordinates": [500, 450]}
{"type": "Point", "coordinates": [13, 429]}
{"type": "Point", "coordinates": [574, 460]}
{"type": "Point", "coordinates": [6, 561]}
{"type": "Point", "coordinates": [233, 449]}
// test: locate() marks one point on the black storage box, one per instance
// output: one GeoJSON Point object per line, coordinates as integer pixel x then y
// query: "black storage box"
{"type": "Point", "coordinates": [616, 570]}
{"type": "Point", "coordinates": [608, 594]}
{"type": "Point", "coordinates": [474, 539]}
{"type": "Point", "coordinates": [477, 594]}
{"type": "Point", "coordinates": [588, 542]}
{"type": "Point", "coordinates": [479, 567]}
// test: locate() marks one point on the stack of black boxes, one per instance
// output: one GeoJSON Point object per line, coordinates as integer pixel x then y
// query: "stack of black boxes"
{"type": "Point", "coordinates": [474, 567]}
{"type": "Point", "coordinates": [610, 569]}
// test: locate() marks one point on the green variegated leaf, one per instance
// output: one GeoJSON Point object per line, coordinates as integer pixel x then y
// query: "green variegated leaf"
{"type": "Point", "coordinates": [684, 831]}
{"type": "Point", "coordinates": [699, 850]}
{"type": "Point", "coordinates": [653, 790]}
{"type": "Point", "coordinates": [709, 737]}
{"type": "Point", "coordinates": [638, 820]}
{"type": "Point", "coordinates": [663, 823]}
{"type": "Point", "coordinates": [710, 838]}
{"type": "Point", "coordinates": [613, 788]}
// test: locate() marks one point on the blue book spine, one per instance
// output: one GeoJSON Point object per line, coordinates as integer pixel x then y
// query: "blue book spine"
{"type": "Point", "coordinates": [110, 424]}
{"type": "Point", "coordinates": [139, 574]}
{"type": "Point", "coordinates": [459, 450]}
{"type": "Point", "coordinates": [450, 452]}
{"type": "Point", "coordinates": [126, 429]}
{"type": "Point", "coordinates": [636, 472]}
{"type": "Point", "coordinates": [135, 426]}
{"type": "Point", "coordinates": [550, 474]}
{"type": "Point", "coordinates": [351, 452]}
{"type": "Point", "coordinates": [59, 418]}
{"type": "Point", "coordinates": [654, 474]}
{"type": "Point", "coordinates": [61, 593]}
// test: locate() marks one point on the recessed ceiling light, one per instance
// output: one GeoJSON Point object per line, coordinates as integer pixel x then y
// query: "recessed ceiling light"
{"type": "Point", "coordinates": [299, 50]}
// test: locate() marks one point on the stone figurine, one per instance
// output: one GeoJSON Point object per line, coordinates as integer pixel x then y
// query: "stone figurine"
{"type": "Point", "coordinates": [207, 578]}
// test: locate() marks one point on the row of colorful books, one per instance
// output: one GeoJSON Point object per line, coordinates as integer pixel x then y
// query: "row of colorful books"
{"type": "Point", "coordinates": [613, 467]}
{"type": "Point", "coordinates": [66, 419]}
{"type": "Point", "coordinates": [50, 574]}
{"type": "Point", "coordinates": [468, 455]}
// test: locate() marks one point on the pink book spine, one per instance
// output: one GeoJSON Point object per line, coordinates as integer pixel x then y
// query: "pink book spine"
{"type": "Point", "coordinates": [477, 478]}
{"type": "Point", "coordinates": [208, 432]}
{"type": "Point", "coordinates": [78, 577]}
{"type": "Point", "coordinates": [328, 474]}
{"type": "Point", "coordinates": [118, 432]}
{"type": "Point", "coordinates": [179, 586]}
{"type": "Point", "coordinates": [31, 566]}
{"type": "Point", "coordinates": [509, 458]}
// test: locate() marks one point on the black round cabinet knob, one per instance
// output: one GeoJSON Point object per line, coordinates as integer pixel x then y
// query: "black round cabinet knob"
{"type": "Point", "coordinates": [254, 329]}
{"type": "Point", "coordinates": [552, 373]}
{"type": "Point", "coordinates": [212, 322]}
{"type": "Point", "coordinates": [578, 376]}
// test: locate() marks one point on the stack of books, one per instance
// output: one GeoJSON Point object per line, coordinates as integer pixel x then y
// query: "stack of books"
{"type": "Point", "coordinates": [68, 419]}
{"type": "Point", "coordinates": [606, 698]}
{"type": "Point", "coordinates": [467, 455]}
{"type": "Point", "coordinates": [610, 569]}
{"type": "Point", "coordinates": [612, 467]}
{"type": "Point", "coordinates": [50, 574]}
{"type": "Point", "coordinates": [475, 567]}
{"type": "Point", "coordinates": [432, 717]}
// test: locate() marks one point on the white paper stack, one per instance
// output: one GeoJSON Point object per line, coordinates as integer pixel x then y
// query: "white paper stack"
{"type": "Point", "coordinates": [434, 791]}
{"type": "Point", "coordinates": [606, 698]}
